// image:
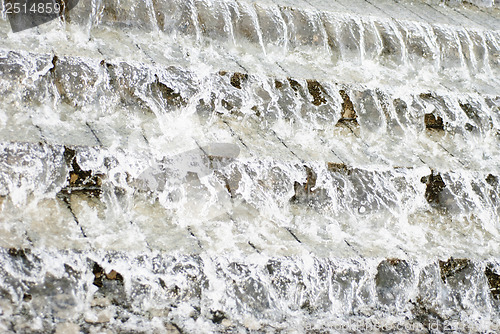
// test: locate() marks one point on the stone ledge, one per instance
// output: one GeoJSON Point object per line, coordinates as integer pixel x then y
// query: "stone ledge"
{"type": "Point", "coordinates": [100, 289]}
{"type": "Point", "coordinates": [334, 46]}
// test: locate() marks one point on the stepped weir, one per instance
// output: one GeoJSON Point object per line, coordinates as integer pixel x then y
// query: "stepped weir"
{"type": "Point", "coordinates": [237, 166]}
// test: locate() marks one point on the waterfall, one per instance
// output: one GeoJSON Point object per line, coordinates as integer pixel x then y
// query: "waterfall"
{"type": "Point", "coordinates": [266, 166]}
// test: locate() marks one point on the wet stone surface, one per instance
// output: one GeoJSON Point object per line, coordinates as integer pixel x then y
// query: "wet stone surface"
{"type": "Point", "coordinates": [336, 192]}
{"type": "Point", "coordinates": [49, 294]}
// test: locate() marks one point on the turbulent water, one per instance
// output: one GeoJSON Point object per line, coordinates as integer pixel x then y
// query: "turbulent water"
{"type": "Point", "coordinates": [235, 166]}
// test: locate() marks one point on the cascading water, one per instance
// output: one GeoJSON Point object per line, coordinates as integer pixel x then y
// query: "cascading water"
{"type": "Point", "coordinates": [315, 166]}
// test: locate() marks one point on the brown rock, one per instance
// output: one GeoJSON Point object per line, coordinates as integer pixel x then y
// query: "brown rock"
{"type": "Point", "coordinates": [433, 122]}
{"type": "Point", "coordinates": [317, 91]}
{"type": "Point", "coordinates": [237, 79]}
{"type": "Point", "coordinates": [348, 112]}
{"type": "Point", "coordinates": [451, 267]}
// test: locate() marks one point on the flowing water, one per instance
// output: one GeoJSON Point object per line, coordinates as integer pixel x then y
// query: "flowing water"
{"type": "Point", "coordinates": [233, 166]}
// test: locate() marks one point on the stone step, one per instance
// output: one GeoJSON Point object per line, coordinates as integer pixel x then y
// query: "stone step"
{"type": "Point", "coordinates": [173, 109]}
{"type": "Point", "coordinates": [203, 16]}
{"type": "Point", "coordinates": [412, 51]}
{"type": "Point", "coordinates": [118, 285]}
{"type": "Point", "coordinates": [100, 198]}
